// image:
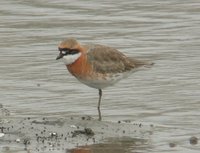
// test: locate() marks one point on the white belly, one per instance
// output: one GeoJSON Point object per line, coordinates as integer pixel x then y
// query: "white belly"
{"type": "Point", "coordinates": [101, 83]}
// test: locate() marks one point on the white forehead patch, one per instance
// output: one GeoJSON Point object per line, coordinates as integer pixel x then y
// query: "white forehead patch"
{"type": "Point", "coordinates": [69, 59]}
{"type": "Point", "coordinates": [64, 52]}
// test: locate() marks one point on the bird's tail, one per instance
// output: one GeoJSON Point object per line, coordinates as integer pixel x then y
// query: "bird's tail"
{"type": "Point", "coordinates": [142, 63]}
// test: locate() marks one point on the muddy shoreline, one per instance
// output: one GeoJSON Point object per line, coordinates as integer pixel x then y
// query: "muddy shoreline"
{"type": "Point", "coordinates": [63, 134]}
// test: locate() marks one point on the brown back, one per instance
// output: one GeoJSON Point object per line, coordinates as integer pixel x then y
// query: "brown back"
{"type": "Point", "coordinates": [109, 60]}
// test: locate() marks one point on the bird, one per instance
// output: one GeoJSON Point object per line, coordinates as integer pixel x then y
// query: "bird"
{"type": "Point", "coordinates": [97, 66]}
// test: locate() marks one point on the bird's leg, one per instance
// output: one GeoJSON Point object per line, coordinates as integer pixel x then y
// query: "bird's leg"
{"type": "Point", "coordinates": [98, 107]}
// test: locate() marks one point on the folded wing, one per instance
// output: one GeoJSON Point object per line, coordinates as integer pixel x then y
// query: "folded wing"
{"type": "Point", "coordinates": [109, 60]}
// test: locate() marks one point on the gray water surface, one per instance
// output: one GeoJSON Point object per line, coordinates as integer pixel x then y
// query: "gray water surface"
{"type": "Point", "coordinates": [33, 83]}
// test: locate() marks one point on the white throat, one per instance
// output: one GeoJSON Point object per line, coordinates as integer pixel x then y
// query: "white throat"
{"type": "Point", "coordinates": [69, 59]}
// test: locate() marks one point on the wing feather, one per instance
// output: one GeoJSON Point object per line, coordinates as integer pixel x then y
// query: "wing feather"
{"type": "Point", "coordinates": [109, 60]}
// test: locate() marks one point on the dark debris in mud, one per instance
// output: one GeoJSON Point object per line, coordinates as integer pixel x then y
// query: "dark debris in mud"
{"type": "Point", "coordinates": [62, 134]}
{"type": "Point", "coordinates": [50, 134]}
{"type": "Point", "coordinates": [87, 132]}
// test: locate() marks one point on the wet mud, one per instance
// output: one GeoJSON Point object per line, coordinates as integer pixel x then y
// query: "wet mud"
{"type": "Point", "coordinates": [72, 134]}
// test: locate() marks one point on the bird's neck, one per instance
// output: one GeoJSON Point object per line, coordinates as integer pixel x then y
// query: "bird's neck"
{"type": "Point", "coordinates": [80, 68]}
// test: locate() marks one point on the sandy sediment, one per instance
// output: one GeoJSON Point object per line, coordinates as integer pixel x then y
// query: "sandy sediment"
{"type": "Point", "coordinates": [62, 134]}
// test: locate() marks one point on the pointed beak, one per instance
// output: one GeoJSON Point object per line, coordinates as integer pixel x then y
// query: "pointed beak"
{"type": "Point", "coordinates": [59, 56]}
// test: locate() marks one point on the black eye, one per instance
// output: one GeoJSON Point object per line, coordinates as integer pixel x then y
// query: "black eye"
{"type": "Point", "coordinates": [66, 51]}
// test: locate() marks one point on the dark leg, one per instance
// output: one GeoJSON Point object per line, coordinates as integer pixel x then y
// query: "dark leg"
{"type": "Point", "coordinates": [99, 103]}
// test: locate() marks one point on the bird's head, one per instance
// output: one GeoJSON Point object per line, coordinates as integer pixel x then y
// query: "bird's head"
{"type": "Point", "coordinates": [69, 50]}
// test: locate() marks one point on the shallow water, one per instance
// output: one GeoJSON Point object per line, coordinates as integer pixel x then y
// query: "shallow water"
{"type": "Point", "coordinates": [33, 83]}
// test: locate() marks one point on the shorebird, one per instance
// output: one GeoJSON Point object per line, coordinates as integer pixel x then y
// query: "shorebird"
{"type": "Point", "coordinates": [97, 66]}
